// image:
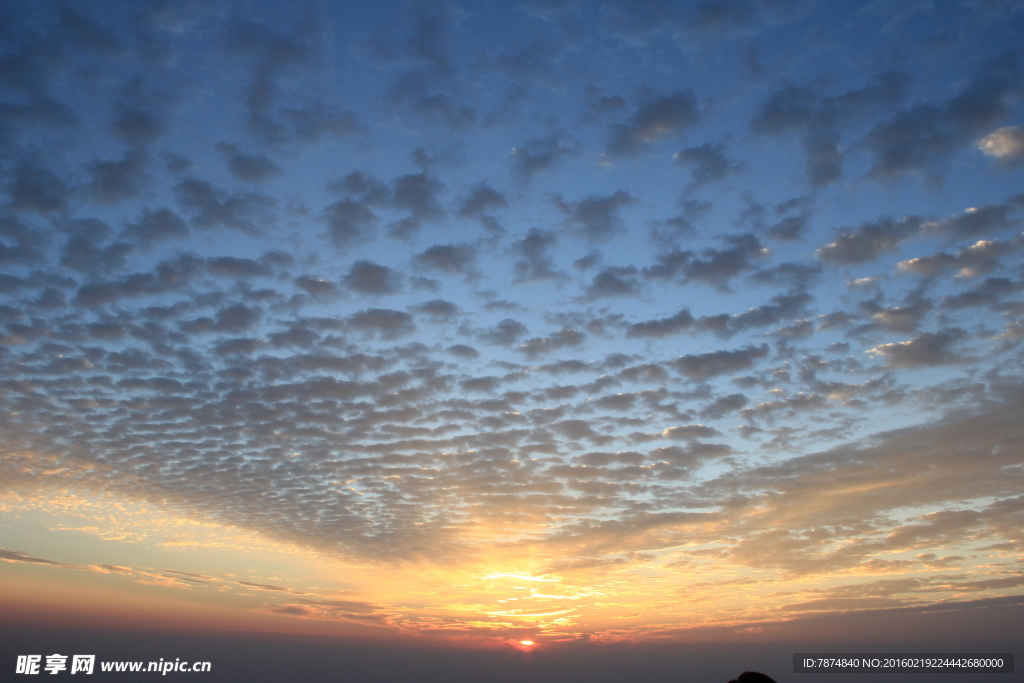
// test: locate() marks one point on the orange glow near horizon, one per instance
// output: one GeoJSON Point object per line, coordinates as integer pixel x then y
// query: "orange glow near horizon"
{"type": "Point", "coordinates": [119, 561]}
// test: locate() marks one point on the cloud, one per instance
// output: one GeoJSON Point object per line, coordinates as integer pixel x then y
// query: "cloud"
{"type": "Point", "coordinates": [349, 222]}
{"type": "Point", "coordinates": [905, 318]}
{"type": "Point", "coordinates": [723, 405]}
{"type": "Point", "coordinates": [85, 252]}
{"type": "Point", "coordinates": [367, 277]}
{"type": "Point", "coordinates": [505, 333]}
{"type": "Point", "coordinates": [85, 34]}
{"type": "Point", "coordinates": [713, 266]}
{"type": "Point", "coordinates": [931, 348]}
{"type": "Point", "coordinates": [731, 18]}
{"type": "Point", "coordinates": [689, 432]}
{"type": "Point", "coordinates": [869, 240]}
{"type": "Point", "coordinates": [438, 308]}
{"type": "Point", "coordinates": [318, 287]}
{"type": "Point", "coordinates": [973, 261]}
{"type": "Point", "coordinates": [277, 115]}
{"type": "Point", "coordinates": [157, 224]}
{"type": "Point", "coordinates": [535, 262]}
{"type": "Point", "coordinates": [192, 261]}
{"type": "Point", "coordinates": [17, 556]}
{"type": "Point", "coordinates": [699, 367]}
{"type": "Point", "coordinates": [657, 118]}
{"type": "Point", "coordinates": [136, 126]}
{"type": "Point", "coordinates": [1006, 144]}
{"type": "Point", "coordinates": [538, 346]}
{"type": "Point", "coordinates": [539, 154]}
{"type": "Point", "coordinates": [450, 259]}
{"type": "Point", "coordinates": [977, 221]}
{"type": "Point", "coordinates": [234, 318]}
{"type": "Point", "coordinates": [614, 281]}
{"type": "Point", "coordinates": [253, 168]}
{"type": "Point", "coordinates": [662, 327]}
{"type": "Point", "coordinates": [989, 292]}
{"type": "Point", "coordinates": [922, 138]}
{"type": "Point", "coordinates": [413, 91]}
{"type": "Point", "coordinates": [819, 120]}
{"type": "Point", "coordinates": [231, 266]}
{"type": "Point", "coordinates": [248, 212]}
{"type": "Point", "coordinates": [707, 163]}
{"type": "Point", "coordinates": [389, 324]}
{"type": "Point", "coordinates": [463, 351]}
{"type": "Point", "coordinates": [481, 199]}
{"type": "Point", "coordinates": [113, 181]}
{"type": "Point", "coordinates": [417, 193]}
{"type": "Point", "coordinates": [36, 188]}
{"type": "Point", "coordinates": [596, 218]}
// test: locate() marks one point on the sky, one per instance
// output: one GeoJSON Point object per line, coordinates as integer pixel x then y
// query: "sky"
{"type": "Point", "coordinates": [589, 324]}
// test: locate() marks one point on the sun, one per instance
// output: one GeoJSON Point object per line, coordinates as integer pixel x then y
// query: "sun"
{"type": "Point", "coordinates": [526, 643]}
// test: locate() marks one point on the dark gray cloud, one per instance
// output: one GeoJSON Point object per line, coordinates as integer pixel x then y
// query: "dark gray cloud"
{"type": "Point", "coordinates": [973, 261]}
{"type": "Point", "coordinates": [922, 138]}
{"type": "Point", "coordinates": [463, 351]}
{"type": "Point", "coordinates": [417, 193]}
{"type": "Point", "coordinates": [389, 324]}
{"type": "Point", "coordinates": [662, 327]}
{"type": "Point", "coordinates": [36, 188]}
{"type": "Point", "coordinates": [86, 252]}
{"type": "Point", "coordinates": [135, 126]}
{"type": "Point", "coordinates": [596, 218]}
{"type": "Point", "coordinates": [505, 333]}
{"type": "Point", "coordinates": [157, 224]}
{"type": "Point", "coordinates": [318, 287]}
{"type": "Point", "coordinates": [450, 259]}
{"type": "Point", "coordinates": [538, 346]}
{"type": "Point", "coordinates": [535, 262]}
{"type": "Point", "coordinates": [931, 348]}
{"type": "Point", "coordinates": [990, 292]}
{"type": "Point", "coordinates": [438, 308]}
{"type": "Point", "coordinates": [614, 281]}
{"type": "Point", "coordinates": [699, 367]}
{"type": "Point", "coordinates": [253, 168]}
{"type": "Point", "coordinates": [115, 180]}
{"type": "Point", "coordinates": [210, 207]}
{"type": "Point", "coordinates": [724, 405]}
{"type": "Point", "coordinates": [414, 92]}
{"type": "Point", "coordinates": [707, 163]}
{"type": "Point", "coordinates": [869, 240]}
{"type": "Point", "coordinates": [716, 19]}
{"type": "Point", "coordinates": [716, 267]}
{"type": "Point", "coordinates": [540, 154]}
{"type": "Point", "coordinates": [276, 114]}
{"type": "Point", "coordinates": [980, 221]}
{"type": "Point", "coordinates": [349, 222]}
{"type": "Point", "coordinates": [367, 277]}
{"type": "Point", "coordinates": [85, 34]}
{"type": "Point", "coordinates": [657, 118]}
{"type": "Point", "coordinates": [481, 200]}
{"type": "Point", "coordinates": [819, 120]}
{"type": "Point", "coordinates": [233, 267]}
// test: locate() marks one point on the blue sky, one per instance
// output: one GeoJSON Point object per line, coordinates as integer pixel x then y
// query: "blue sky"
{"type": "Point", "coordinates": [427, 298]}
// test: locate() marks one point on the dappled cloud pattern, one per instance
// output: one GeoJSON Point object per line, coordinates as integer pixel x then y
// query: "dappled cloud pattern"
{"type": "Point", "coordinates": [528, 336]}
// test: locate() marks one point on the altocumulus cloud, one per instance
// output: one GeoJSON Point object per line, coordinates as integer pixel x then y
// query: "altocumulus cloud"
{"type": "Point", "coordinates": [406, 290]}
